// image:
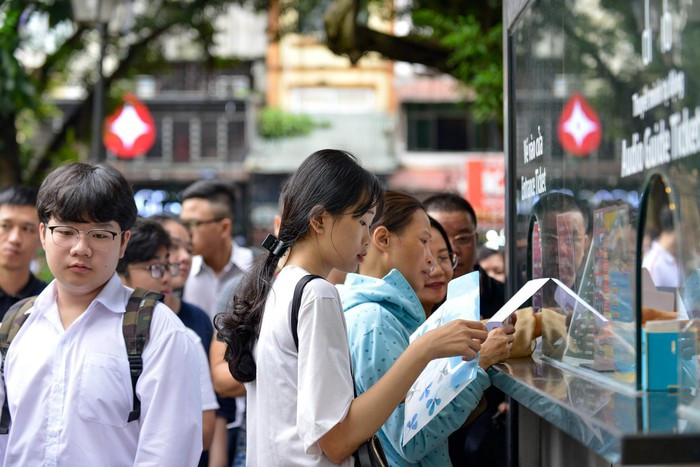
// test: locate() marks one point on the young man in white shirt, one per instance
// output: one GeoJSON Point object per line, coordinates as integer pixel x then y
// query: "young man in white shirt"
{"type": "Point", "coordinates": [208, 212]}
{"type": "Point", "coordinates": [66, 374]}
{"type": "Point", "coordinates": [660, 260]}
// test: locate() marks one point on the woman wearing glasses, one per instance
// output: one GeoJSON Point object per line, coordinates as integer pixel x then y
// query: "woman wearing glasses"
{"type": "Point", "coordinates": [433, 294]}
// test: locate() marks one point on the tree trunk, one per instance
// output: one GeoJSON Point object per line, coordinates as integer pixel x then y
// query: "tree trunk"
{"type": "Point", "coordinates": [10, 164]}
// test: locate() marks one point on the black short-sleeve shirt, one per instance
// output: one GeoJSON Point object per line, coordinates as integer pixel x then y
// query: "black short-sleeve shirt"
{"type": "Point", "coordinates": [33, 287]}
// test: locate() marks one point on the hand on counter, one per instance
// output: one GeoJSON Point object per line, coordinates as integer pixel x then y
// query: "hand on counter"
{"type": "Point", "coordinates": [650, 314]}
{"type": "Point", "coordinates": [496, 347]}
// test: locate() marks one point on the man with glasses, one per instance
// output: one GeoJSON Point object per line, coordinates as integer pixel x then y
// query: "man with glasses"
{"type": "Point", "coordinates": [146, 263]}
{"type": "Point", "coordinates": [19, 242]}
{"type": "Point", "coordinates": [208, 212]}
{"type": "Point", "coordinates": [480, 443]}
{"type": "Point", "coordinates": [563, 224]}
{"type": "Point", "coordinates": [66, 373]}
{"type": "Point", "coordinates": [458, 218]}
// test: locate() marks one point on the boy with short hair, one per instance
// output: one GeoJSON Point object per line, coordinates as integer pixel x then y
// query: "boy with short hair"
{"type": "Point", "coordinates": [208, 212]}
{"type": "Point", "coordinates": [66, 372]}
{"type": "Point", "coordinates": [146, 263]}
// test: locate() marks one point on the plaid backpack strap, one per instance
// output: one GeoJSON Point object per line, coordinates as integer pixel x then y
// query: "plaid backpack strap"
{"type": "Point", "coordinates": [11, 323]}
{"type": "Point", "coordinates": [136, 329]}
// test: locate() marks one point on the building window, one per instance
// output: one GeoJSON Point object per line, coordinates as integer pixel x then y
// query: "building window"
{"type": "Point", "coordinates": [448, 128]}
{"type": "Point", "coordinates": [181, 141]}
{"type": "Point", "coordinates": [209, 133]}
{"type": "Point", "coordinates": [236, 141]}
{"type": "Point", "coordinates": [157, 148]}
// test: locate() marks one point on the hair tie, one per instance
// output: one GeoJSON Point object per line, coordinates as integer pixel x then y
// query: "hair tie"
{"type": "Point", "coordinates": [274, 245]}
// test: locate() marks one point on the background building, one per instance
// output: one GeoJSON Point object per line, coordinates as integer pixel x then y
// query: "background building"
{"type": "Point", "coordinates": [409, 125]}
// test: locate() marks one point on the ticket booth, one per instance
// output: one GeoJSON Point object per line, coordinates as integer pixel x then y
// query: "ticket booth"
{"type": "Point", "coordinates": [602, 197]}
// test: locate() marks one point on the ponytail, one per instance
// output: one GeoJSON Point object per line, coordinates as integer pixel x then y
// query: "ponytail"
{"type": "Point", "coordinates": [328, 179]}
{"type": "Point", "coordinates": [239, 327]}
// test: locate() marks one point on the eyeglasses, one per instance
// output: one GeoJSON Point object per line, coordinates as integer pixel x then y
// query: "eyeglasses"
{"type": "Point", "coordinates": [193, 224]}
{"type": "Point", "coordinates": [66, 236]}
{"type": "Point", "coordinates": [448, 261]}
{"type": "Point", "coordinates": [158, 270]}
{"type": "Point", "coordinates": [464, 240]}
{"type": "Point", "coordinates": [551, 239]}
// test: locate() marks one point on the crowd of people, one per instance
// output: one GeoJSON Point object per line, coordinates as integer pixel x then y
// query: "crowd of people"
{"type": "Point", "coordinates": [207, 368]}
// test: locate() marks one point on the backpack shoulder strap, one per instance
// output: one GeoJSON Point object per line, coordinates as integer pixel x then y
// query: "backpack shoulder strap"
{"type": "Point", "coordinates": [296, 303]}
{"type": "Point", "coordinates": [11, 323]}
{"type": "Point", "coordinates": [136, 329]}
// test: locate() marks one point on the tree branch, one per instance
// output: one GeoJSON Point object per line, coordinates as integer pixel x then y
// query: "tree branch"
{"type": "Point", "coordinates": [346, 37]}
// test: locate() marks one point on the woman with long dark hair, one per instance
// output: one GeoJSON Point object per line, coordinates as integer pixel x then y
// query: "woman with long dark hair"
{"type": "Point", "coordinates": [301, 404]}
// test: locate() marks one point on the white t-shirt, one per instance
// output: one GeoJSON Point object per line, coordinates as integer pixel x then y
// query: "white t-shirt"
{"type": "Point", "coordinates": [204, 286]}
{"type": "Point", "coordinates": [294, 401]}
{"type": "Point", "coordinates": [662, 266]}
{"type": "Point", "coordinates": [206, 386]}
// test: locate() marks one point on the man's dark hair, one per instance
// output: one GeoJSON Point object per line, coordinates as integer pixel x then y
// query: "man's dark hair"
{"type": "Point", "coordinates": [147, 237]}
{"type": "Point", "coordinates": [86, 193]}
{"type": "Point", "coordinates": [18, 195]}
{"type": "Point", "coordinates": [449, 202]}
{"type": "Point", "coordinates": [557, 202]}
{"type": "Point", "coordinates": [214, 191]}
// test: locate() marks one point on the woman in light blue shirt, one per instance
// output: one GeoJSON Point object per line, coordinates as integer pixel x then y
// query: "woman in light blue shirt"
{"type": "Point", "coordinates": [382, 311]}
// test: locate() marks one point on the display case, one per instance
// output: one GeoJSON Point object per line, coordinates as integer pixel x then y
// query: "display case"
{"type": "Point", "coordinates": [603, 158]}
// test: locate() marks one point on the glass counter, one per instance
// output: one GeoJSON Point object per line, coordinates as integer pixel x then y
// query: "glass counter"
{"type": "Point", "coordinates": [603, 149]}
{"type": "Point", "coordinates": [621, 427]}
{"type": "Point", "coordinates": [602, 121]}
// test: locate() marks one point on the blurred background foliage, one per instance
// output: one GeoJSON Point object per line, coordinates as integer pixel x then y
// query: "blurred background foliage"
{"type": "Point", "coordinates": [451, 36]}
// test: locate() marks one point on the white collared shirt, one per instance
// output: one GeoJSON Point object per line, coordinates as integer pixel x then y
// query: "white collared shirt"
{"type": "Point", "coordinates": [662, 266]}
{"type": "Point", "coordinates": [206, 386]}
{"type": "Point", "coordinates": [70, 393]}
{"type": "Point", "coordinates": [203, 286]}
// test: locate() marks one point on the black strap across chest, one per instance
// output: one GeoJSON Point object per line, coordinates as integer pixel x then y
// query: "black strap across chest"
{"type": "Point", "coordinates": [296, 304]}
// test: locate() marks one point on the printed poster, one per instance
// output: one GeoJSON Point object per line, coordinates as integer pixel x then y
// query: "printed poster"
{"type": "Point", "coordinates": [443, 378]}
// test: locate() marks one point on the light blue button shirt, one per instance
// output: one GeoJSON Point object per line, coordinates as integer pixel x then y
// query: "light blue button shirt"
{"type": "Point", "coordinates": [381, 315]}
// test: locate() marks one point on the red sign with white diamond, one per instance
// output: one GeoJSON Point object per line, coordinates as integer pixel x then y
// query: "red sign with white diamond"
{"type": "Point", "coordinates": [130, 132]}
{"type": "Point", "coordinates": [579, 127]}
